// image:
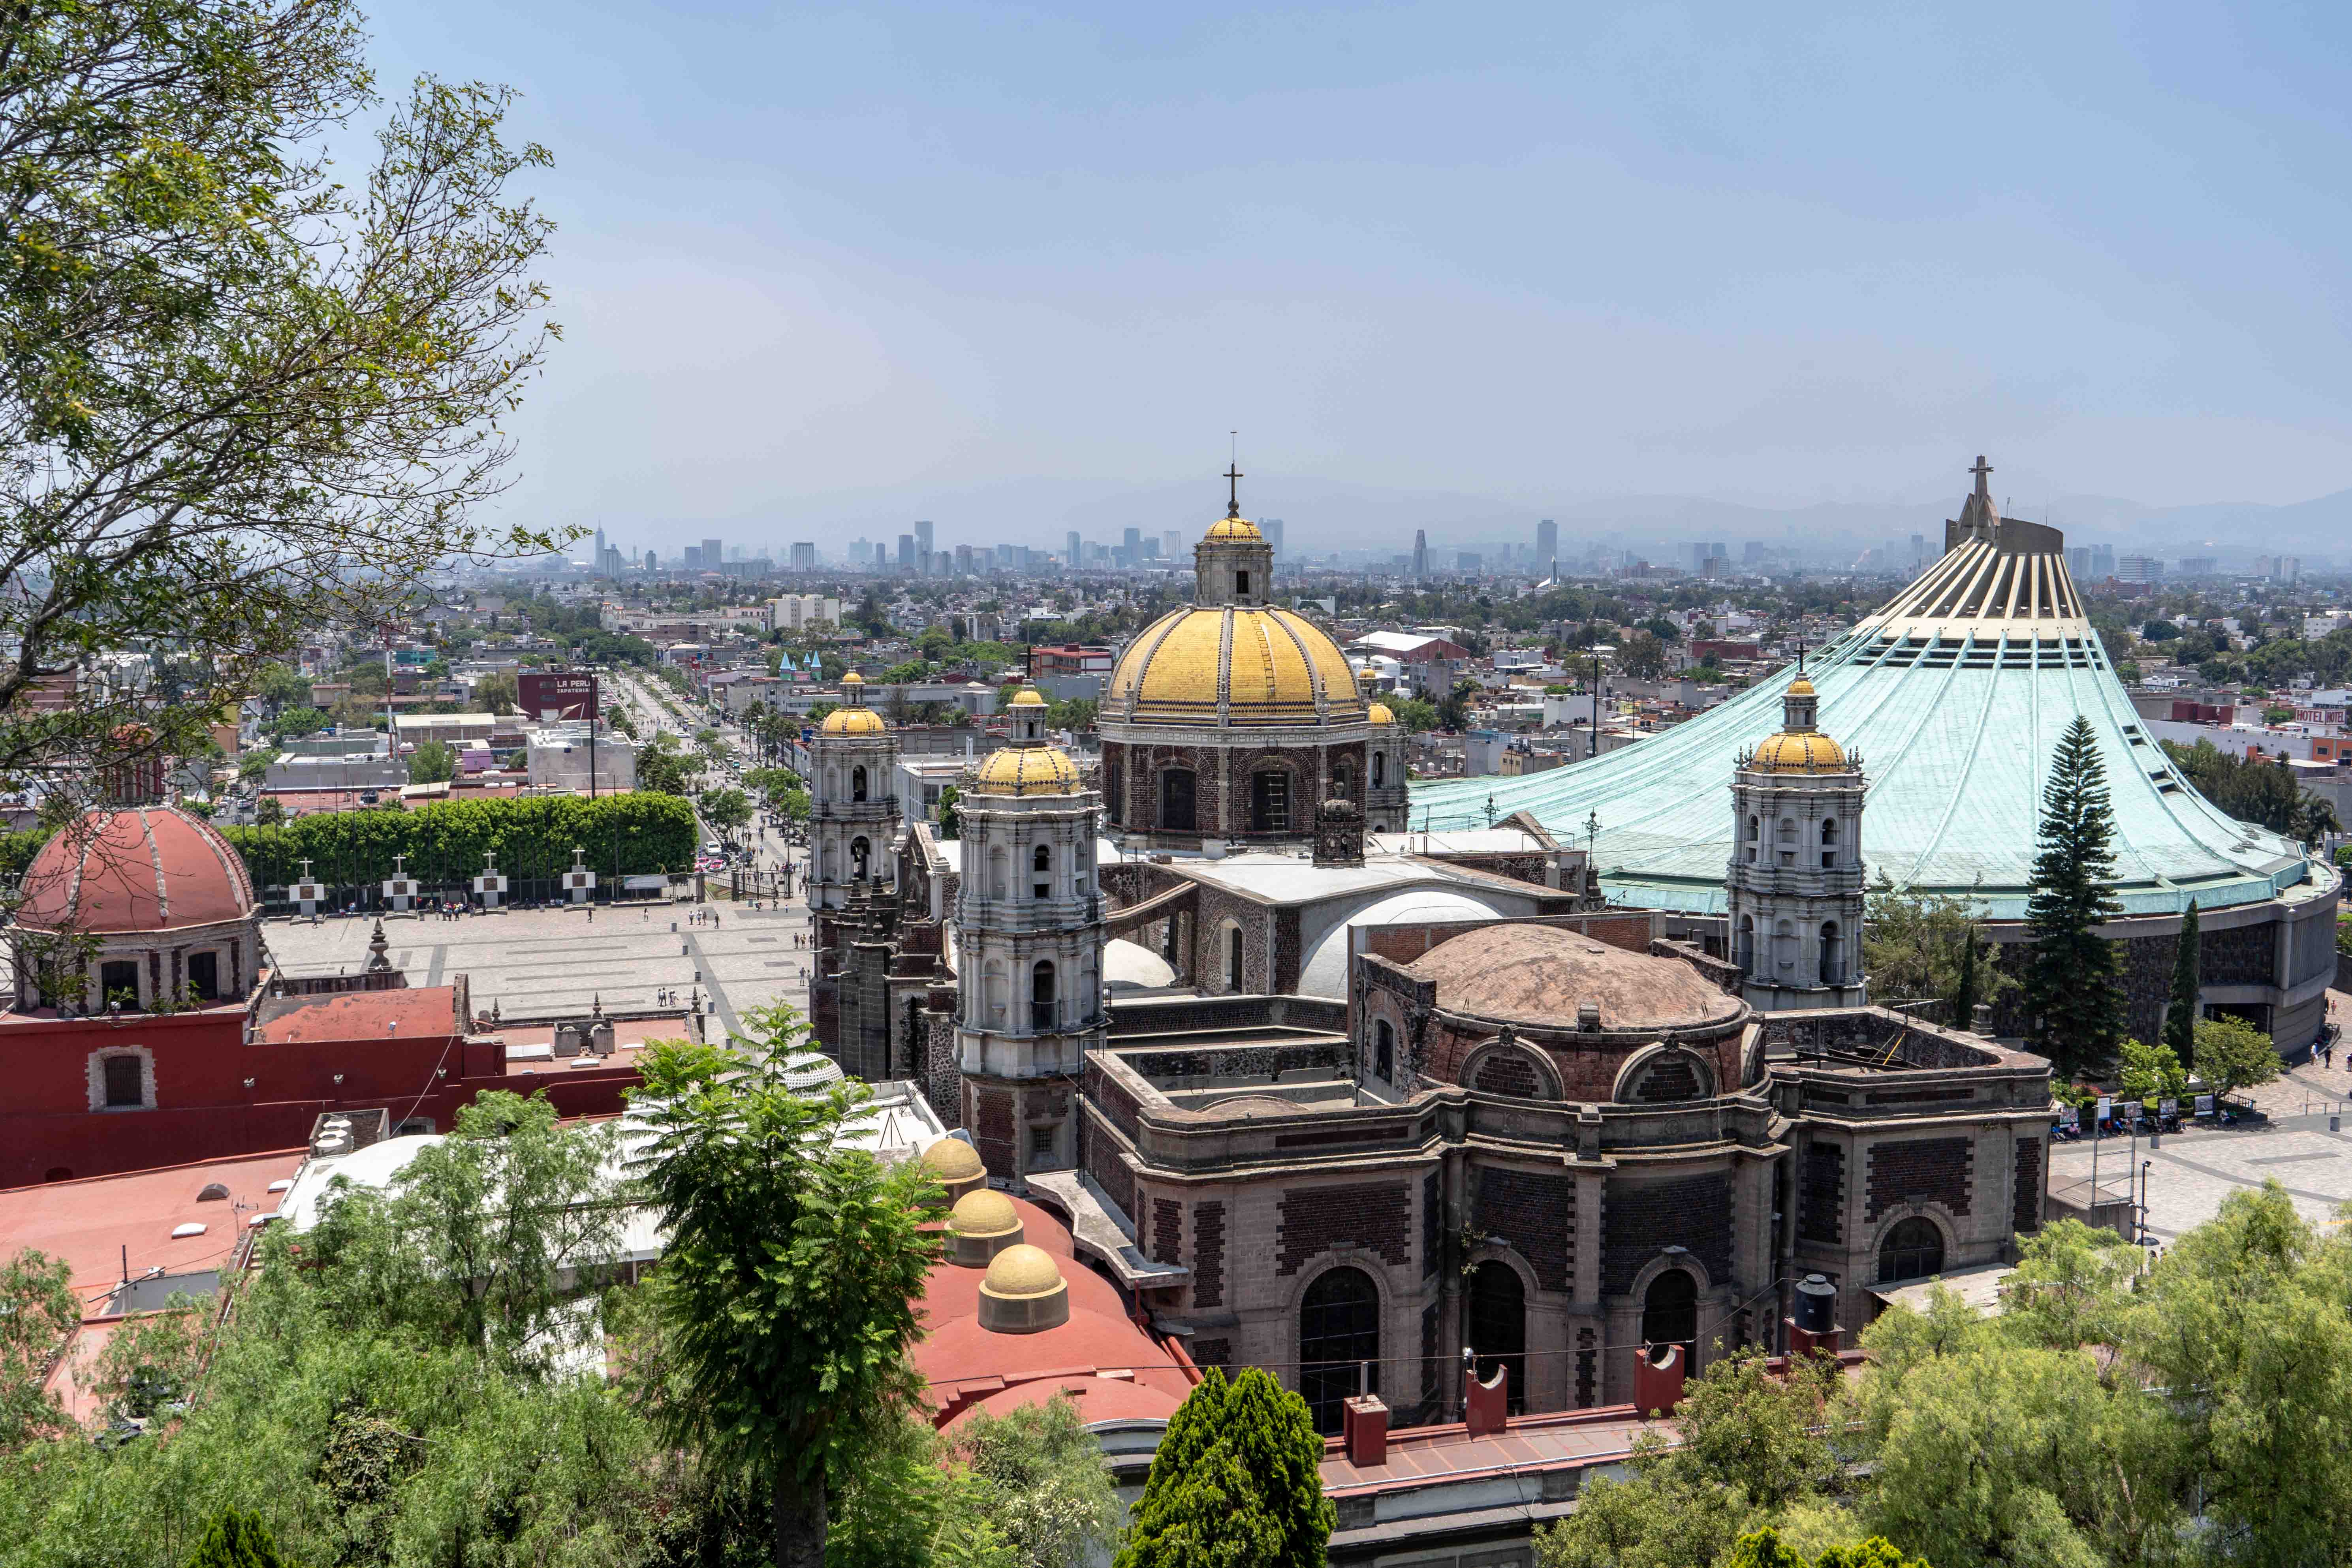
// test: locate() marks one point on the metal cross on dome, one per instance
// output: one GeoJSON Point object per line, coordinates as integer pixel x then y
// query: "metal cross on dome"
{"type": "Point", "coordinates": [1234, 490]}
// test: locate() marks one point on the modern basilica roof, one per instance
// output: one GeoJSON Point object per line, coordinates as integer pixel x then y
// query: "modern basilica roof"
{"type": "Point", "coordinates": [1955, 694]}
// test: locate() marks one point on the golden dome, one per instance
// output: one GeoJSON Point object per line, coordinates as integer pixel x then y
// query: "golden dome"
{"type": "Point", "coordinates": [853, 721]}
{"type": "Point", "coordinates": [1022, 1270]}
{"type": "Point", "coordinates": [1234, 528]}
{"type": "Point", "coordinates": [1027, 770]}
{"type": "Point", "coordinates": [1800, 687]}
{"type": "Point", "coordinates": [1208, 663]}
{"type": "Point", "coordinates": [852, 678]}
{"type": "Point", "coordinates": [1378, 714]}
{"type": "Point", "coordinates": [983, 1213]}
{"type": "Point", "coordinates": [1027, 698]}
{"type": "Point", "coordinates": [1799, 751]}
{"type": "Point", "coordinates": [952, 1160]}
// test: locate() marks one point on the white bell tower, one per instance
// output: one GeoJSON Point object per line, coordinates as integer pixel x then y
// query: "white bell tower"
{"type": "Point", "coordinates": [1795, 881]}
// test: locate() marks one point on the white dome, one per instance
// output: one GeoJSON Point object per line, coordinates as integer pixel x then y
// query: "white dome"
{"type": "Point", "coordinates": [1324, 973]}
{"type": "Point", "coordinates": [1130, 967]}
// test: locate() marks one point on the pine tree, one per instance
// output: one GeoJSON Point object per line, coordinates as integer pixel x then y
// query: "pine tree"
{"type": "Point", "coordinates": [236, 1540]}
{"type": "Point", "coordinates": [2180, 1017]}
{"type": "Point", "coordinates": [2071, 992]}
{"type": "Point", "coordinates": [1237, 1480]}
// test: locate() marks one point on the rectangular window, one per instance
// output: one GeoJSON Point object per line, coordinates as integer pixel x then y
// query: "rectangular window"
{"type": "Point", "coordinates": [125, 1082]}
{"type": "Point", "coordinates": [118, 982]}
{"type": "Point", "coordinates": [1041, 1142]}
{"type": "Point", "coordinates": [203, 976]}
{"type": "Point", "coordinates": [1270, 802]}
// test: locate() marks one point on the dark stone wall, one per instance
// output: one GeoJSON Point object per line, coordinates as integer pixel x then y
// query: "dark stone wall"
{"type": "Point", "coordinates": [1113, 1097]}
{"type": "Point", "coordinates": [1587, 1072]}
{"type": "Point", "coordinates": [1104, 1164]}
{"type": "Point", "coordinates": [1213, 1352]}
{"type": "Point", "coordinates": [1918, 1170]}
{"type": "Point", "coordinates": [1640, 1219]}
{"type": "Point", "coordinates": [1209, 1253]}
{"type": "Point", "coordinates": [1374, 1215]}
{"type": "Point", "coordinates": [1432, 1224]}
{"type": "Point", "coordinates": [989, 1113]}
{"type": "Point", "coordinates": [1534, 1214]}
{"type": "Point", "coordinates": [1507, 1072]}
{"type": "Point", "coordinates": [1167, 1237]}
{"type": "Point", "coordinates": [1821, 1208]}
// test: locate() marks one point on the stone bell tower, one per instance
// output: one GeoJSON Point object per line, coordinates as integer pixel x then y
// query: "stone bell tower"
{"type": "Point", "coordinates": [1795, 881]}
{"type": "Point", "coordinates": [1029, 941]}
{"type": "Point", "coordinates": [853, 800]}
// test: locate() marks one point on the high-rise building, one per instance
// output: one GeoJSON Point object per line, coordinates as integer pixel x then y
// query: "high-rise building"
{"type": "Point", "coordinates": [2078, 560]}
{"type": "Point", "coordinates": [653, 560]}
{"type": "Point", "coordinates": [2197, 566]}
{"type": "Point", "coordinates": [1171, 544]}
{"type": "Point", "coordinates": [599, 556]}
{"type": "Point", "coordinates": [1468, 560]}
{"type": "Point", "coordinates": [923, 537]}
{"type": "Point", "coordinates": [1272, 527]}
{"type": "Point", "coordinates": [1134, 542]}
{"type": "Point", "coordinates": [712, 555]}
{"type": "Point", "coordinates": [1070, 548]}
{"type": "Point", "coordinates": [906, 552]}
{"type": "Point", "coordinates": [1547, 547]}
{"type": "Point", "coordinates": [2103, 560]}
{"type": "Point", "coordinates": [1421, 552]}
{"type": "Point", "coordinates": [693, 557]}
{"type": "Point", "coordinates": [2140, 569]}
{"type": "Point", "coordinates": [804, 557]}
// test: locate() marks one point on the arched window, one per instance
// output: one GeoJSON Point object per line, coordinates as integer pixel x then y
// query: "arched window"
{"type": "Point", "coordinates": [1833, 955]}
{"type": "Point", "coordinates": [1912, 1250]}
{"type": "Point", "coordinates": [995, 988]}
{"type": "Point", "coordinates": [1829, 842]}
{"type": "Point", "coordinates": [1176, 809]}
{"type": "Point", "coordinates": [998, 864]}
{"type": "Point", "coordinates": [1784, 946]}
{"type": "Point", "coordinates": [1041, 871]}
{"type": "Point", "coordinates": [857, 784]}
{"type": "Point", "coordinates": [1670, 1313]}
{"type": "Point", "coordinates": [1343, 780]}
{"type": "Point", "coordinates": [1498, 1326]}
{"type": "Point", "coordinates": [1752, 827]}
{"type": "Point", "coordinates": [1788, 830]}
{"type": "Point", "coordinates": [1338, 1333]}
{"type": "Point", "coordinates": [1384, 1050]}
{"type": "Point", "coordinates": [1232, 958]}
{"type": "Point", "coordinates": [1380, 770]}
{"type": "Point", "coordinates": [1746, 956]}
{"type": "Point", "coordinates": [1041, 995]}
{"type": "Point", "coordinates": [860, 852]}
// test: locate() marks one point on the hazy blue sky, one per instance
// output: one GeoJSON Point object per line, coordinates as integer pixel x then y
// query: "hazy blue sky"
{"type": "Point", "coordinates": [898, 259]}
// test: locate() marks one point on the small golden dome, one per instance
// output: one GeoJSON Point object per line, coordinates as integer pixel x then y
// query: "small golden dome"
{"type": "Point", "coordinates": [1378, 714]}
{"type": "Point", "coordinates": [852, 678]}
{"type": "Point", "coordinates": [1234, 528]}
{"type": "Point", "coordinates": [1795, 752]}
{"type": "Point", "coordinates": [983, 1213]}
{"type": "Point", "coordinates": [853, 721]}
{"type": "Point", "coordinates": [953, 1159]}
{"type": "Point", "coordinates": [1027, 698]}
{"type": "Point", "coordinates": [1800, 687]}
{"type": "Point", "coordinates": [1022, 1270]}
{"type": "Point", "coordinates": [1027, 770]}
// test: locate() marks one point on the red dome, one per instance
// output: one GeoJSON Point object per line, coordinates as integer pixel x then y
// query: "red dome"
{"type": "Point", "coordinates": [151, 868]}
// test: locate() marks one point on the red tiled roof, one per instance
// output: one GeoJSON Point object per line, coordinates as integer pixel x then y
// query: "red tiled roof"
{"type": "Point", "coordinates": [91, 1221]}
{"type": "Point", "coordinates": [428, 1010]}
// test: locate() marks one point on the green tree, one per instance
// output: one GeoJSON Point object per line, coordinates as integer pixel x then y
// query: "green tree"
{"type": "Point", "coordinates": [1038, 1476]}
{"type": "Point", "coordinates": [1236, 1479]}
{"type": "Point", "coordinates": [1642, 656]}
{"type": "Point", "coordinates": [1923, 946]}
{"type": "Point", "coordinates": [483, 1236]}
{"type": "Point", "coordinates": [149, 1364]}
{"type": "Point", "coordinates": [662, 768]}
{"type": "Point", "coordinates": [1454, 712]}
{"type": "Point", "coordinates": [2180, 1015]}
{"type": "Point", "coordinates": [728, 808]}
{"type": "Point", "coordinates": [1417, 714]}
{"type": "Point", "coordinates": [433, 761]}
{"type": "Point", "coordinates": [2072, 996]}
{"type": "Point", "coordinates": [246, 393]}
{"type": "Point", "coordinates": [2231, 1055]}
{"type": "Point", "coordinates": [497, 693]}
{"type": "Point", "coordinates": [790, 1282]}
{"type": "Point", "coordinates": [236, 1540]}
{"type": "Point", "coordinates": [296, 722]}
{"type": "Point", "coordinates": [2152, 1071]}
{"type": "Point", "coordinates": [38, 1311]}
{"type": "Point", "coordinates": [950, 817]}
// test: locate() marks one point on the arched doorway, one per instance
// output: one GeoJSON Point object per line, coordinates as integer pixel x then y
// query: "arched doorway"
{"type": "Point", "coordinates": [1912, 1250]}
{"type": "Point", "coordinates": [1670, 1313]}
{"type": "Point", "coordinates": [857, 784]}
{"type": "Point", "coordinates": [1384, 1050]}
{"type": "Point", "coordinates": [1270, 801]}
{"type": "Point", "coordinates": [1498, 1326]}
{"type": "Point", "coordinates": [1339, 1331]}
{"type": "Point", "coordinates": [1833, 955]}
{"type": "Point", "coordinates": [1041, 995]}
{"type": "Point", "coordinates": [1232, 958]}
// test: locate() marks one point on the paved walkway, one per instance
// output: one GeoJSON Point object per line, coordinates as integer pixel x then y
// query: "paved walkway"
{"type": "Point", "coordinates": [2188, 1177]}
{"type": "Point", "coordinates": [539, 961]}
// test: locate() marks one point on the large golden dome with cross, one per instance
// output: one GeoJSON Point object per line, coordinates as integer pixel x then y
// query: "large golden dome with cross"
{"type": "Point", "coordinates": [1227, 665]}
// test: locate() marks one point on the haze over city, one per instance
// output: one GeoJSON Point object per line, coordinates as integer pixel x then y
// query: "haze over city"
{"type": "Point", "coordinates": [1024, 269]}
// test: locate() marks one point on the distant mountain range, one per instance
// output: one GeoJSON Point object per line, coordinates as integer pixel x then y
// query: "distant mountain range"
{"type": "Point", "coordinates": [1324, 515]}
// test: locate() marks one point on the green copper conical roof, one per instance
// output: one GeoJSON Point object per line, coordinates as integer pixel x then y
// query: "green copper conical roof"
{"type": "Point", "coordinates": [1954, 695]}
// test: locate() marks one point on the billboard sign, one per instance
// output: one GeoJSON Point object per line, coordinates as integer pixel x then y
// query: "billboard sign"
{"type": "Point", "coordinates": [552, 695]}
